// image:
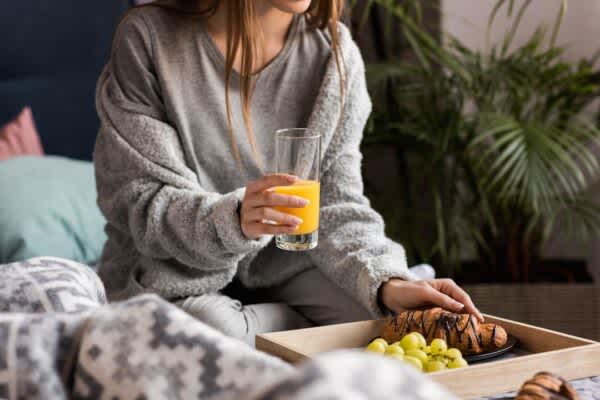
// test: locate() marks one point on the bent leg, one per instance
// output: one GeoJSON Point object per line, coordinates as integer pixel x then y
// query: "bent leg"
{"type": "Point", "coordinates": [318, 299]}
{"type": "Point", "coordinates": [234, 319]}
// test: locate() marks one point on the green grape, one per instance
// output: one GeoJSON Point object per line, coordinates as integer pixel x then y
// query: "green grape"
{"type": "Point", "coordinates": [394, 349]}
{"type": "Point", "coordinates": [396, 343]}
{"type": "Point", "coordinates": [434, 366]}
{"type": "Point", "coordinates": [376, 347]}
{"type": "Point", "coordinates": [409, 341]}
{"type": "Point", "coordinates": [452, 353]}
{"type": "Point", "coordinates": [438, 346]}
{"type": "Point", "coordinates": [422, 341]}
{"type": "Point", "coordinates": [458, 363]}
{"type": "Point", "coordinates": [427, 349]}
{"type": "Point", "coordinates": [415, 362]}
{"type": "Point", "coordinates": [396, 356]}
{"type": "Point", "coordinates": [382, 340]}
{"type": "Point", "coordinates": [420, 354]}
{"type": "Point", "coordinates": [439, 358]}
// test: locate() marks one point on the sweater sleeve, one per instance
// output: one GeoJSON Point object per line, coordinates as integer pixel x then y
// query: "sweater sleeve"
{"type": "Point", "coordinates": [145, 188]}
{"type": "Point", "coordinates": [353, 249]}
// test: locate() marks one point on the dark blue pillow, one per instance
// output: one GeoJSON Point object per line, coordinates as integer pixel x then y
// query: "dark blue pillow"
{"type": "Point", "coordinates": [52, 55]}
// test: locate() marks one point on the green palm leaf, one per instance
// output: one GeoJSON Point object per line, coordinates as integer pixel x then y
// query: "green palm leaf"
{"type": "Point", "coordinates": [531, 164]}
{"type": "Point", "coordinates": [499, 136]}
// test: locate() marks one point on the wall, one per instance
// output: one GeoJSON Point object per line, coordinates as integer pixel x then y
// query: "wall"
{"type": "Point", "coordinates": [580, 32]}
{"type": "Point", "coordinates": [467, 20]}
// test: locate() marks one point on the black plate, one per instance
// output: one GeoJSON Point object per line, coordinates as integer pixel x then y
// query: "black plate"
{"type": "Point", "coordinates": [511, 341]}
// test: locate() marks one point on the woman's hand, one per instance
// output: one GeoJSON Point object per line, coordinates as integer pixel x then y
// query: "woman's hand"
{"type": "Point", "coordinates": [258, 203]}
{"type": "Point", "coordinates": [399, 295]}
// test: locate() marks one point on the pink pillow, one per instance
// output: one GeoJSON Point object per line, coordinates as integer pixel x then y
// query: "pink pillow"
{"type": "Point", "coordinates": [20, 138]}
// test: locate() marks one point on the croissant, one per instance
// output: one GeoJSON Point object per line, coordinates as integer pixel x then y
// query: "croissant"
{"type": "Point", "coordinates": [462, 331]}
{"type": "Point", "coordinates": [547, 386]}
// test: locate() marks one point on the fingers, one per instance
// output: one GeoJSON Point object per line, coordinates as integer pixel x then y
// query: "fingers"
{"type": "Point", "coordinates": [434, 296]}
{"type": "Point", "coordinates": [266, 213]}
{"type": "Point", "coordinates": [258, 203]}
{"type": "Point", "coordinates": [400, 295]}
{"type": "Point", "coordinates": [272, 199]}
{"type": "Point", "coordinates": [449, 287]}
{"type": "Point", "coordinates": [268, 181]}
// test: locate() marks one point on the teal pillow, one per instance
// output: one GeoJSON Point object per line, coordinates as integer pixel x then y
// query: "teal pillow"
{"type": "Point", "coordinates": [48, 208]}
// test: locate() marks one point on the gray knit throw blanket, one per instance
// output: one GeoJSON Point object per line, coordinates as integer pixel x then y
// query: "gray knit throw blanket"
{"type": "Point", "coordinates": [60, 340]}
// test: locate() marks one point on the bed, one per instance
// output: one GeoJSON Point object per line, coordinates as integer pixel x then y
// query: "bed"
{"type": "Point", "coordinates": [59, 338]}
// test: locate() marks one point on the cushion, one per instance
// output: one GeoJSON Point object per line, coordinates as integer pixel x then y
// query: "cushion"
{"type": "Point", "coordinates": [19, 137]}
{"type": "Point", "coordinates": [52, 55]}
{"type": "Point", "coordinates": [48, 284]}
{"type": "Point", "coordinates": [48, 208]}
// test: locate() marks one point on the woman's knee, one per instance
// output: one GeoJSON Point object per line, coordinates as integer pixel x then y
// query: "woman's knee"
{"type": "Point", "coordinates": [218, 311]}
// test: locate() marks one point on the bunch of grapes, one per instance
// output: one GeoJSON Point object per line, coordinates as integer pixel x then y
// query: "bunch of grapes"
{"type": "Point", "coordinates": [413, 349]}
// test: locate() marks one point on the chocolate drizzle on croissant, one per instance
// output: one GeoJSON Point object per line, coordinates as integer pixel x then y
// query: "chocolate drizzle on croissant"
{"type": "Point", "coordinates": [462, 331]}
{"type": "Point", "coordinates": [547, 386]}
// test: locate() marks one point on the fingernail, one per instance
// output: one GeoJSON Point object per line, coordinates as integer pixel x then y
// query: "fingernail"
{"type": "Point", "coordinates": [303, 202]}
{"type": "Point", "coordinates": [291, 178]}
{"type": "Point", "coordinates": [298, 221]}
{"type": "Point", "coordinates": [459, 305]}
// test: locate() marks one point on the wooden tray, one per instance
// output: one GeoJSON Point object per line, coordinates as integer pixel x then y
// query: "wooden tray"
{"type": "Point", "coordinates": [538, 349]}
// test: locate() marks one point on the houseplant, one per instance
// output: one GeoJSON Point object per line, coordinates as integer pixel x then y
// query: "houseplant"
{"type": "Point", "coordinates": [495, 147]}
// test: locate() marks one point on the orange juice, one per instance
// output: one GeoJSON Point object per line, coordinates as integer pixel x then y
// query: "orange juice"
{"type": "Point", "coordinates": [310, 191]}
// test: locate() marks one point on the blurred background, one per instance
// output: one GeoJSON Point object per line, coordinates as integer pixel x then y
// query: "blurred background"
{"type": "Point", "coordinates": [462, 92]}
{"type": "Point", "coordinates": [482, 149]}
{"type": "Point", "coordinates": [481, 153]}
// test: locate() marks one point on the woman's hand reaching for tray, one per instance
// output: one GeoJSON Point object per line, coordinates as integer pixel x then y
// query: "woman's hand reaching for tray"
{"type": "Point", "coordinates": [399, 295]}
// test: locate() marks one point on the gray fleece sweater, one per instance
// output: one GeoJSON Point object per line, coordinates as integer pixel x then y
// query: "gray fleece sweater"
{"type": "Point", "coordinates": [173, 226]}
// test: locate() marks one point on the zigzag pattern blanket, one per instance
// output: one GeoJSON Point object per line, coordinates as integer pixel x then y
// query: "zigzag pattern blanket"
{"type": "Point", "coordinates": [60, 340]}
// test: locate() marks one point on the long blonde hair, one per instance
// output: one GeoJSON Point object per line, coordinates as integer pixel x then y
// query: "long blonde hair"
{"type": "Point", "coordinates": [243, 35]}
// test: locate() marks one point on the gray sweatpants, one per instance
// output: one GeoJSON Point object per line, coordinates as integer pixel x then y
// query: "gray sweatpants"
{"type": "Point", "coordinates": [307, 299]}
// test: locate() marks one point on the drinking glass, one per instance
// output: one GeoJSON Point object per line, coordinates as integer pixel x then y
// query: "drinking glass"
{"type": "Point", "coordinates": [298, 152]}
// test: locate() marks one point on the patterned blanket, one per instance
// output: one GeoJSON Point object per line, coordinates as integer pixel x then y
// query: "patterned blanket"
{"type": "Point", "coordinates": [60, 340]}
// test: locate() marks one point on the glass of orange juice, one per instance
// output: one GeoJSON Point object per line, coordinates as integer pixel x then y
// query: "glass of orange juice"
{"type": "Point", "coordinates": [298, 152]}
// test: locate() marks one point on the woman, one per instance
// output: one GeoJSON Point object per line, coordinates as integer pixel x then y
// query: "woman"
{"type": "Point", "coordinates": [189, 103]}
